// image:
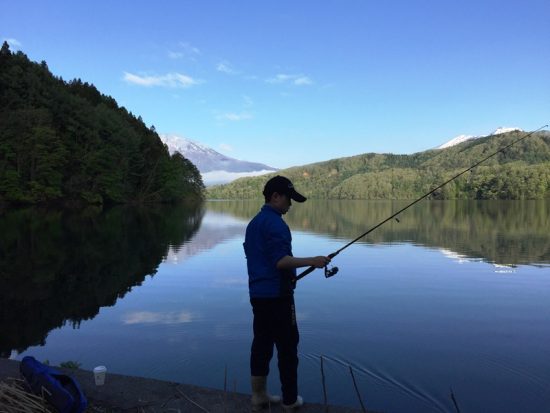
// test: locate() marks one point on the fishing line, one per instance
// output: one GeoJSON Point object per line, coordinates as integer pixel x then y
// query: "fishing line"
{"type": "Point", "coordinates": [329, 272]}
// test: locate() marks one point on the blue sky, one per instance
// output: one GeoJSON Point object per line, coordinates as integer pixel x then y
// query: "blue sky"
{"type": "Point", "coordinates": [294, 82]}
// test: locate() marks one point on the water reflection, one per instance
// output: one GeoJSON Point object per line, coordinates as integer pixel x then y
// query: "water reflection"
{"type": "Point", "coordinates": [59, 267]}
{"type": "Point", "coordinates": [143, 317]}
{"type": "Point", "coordinates": [215, 228]}
{"type": "Point", "coordinates": [499, 232]}
{"type": "Point", "coordinates": [410, 320]}
{"type": "Point", "coordinates": [62, 266]}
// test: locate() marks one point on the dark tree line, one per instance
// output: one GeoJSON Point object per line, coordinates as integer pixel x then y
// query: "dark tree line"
{"type": "Point", "coordinates": [66, 142]}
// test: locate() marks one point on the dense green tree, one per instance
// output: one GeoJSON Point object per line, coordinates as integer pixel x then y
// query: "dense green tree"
{"type": "Point", "coordinates": [520, 172]}
{"type": "Point", "coordinates": [66, 142]}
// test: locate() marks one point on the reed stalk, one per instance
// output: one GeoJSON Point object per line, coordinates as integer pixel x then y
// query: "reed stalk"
{"type": "Point", "coordinates": [357, 390]}
{"type": "Point", "coordinates": [453, 398]}
{"type": "Point", "coordinates": [324, 385]}
{"type": "Point", "coordinates": [191, 401]}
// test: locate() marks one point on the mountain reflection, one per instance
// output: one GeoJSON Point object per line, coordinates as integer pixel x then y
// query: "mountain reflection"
{"type": "Point", "coordinates": [215, 229]}
{"type": "Point", "coordinates": [62, 266]}
{"type": "Point", "coordinates": [499, 232]}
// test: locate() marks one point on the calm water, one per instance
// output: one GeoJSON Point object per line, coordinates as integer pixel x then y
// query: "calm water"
{"type": "Point", "coordinates": [457, 294]}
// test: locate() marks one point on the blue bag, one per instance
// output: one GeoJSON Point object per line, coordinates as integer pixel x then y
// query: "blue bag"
{"type": "Point", "coordinates": [60, 390]}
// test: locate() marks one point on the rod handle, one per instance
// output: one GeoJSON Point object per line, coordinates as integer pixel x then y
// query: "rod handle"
{"type": "Point", "coordinates": [304, 273]}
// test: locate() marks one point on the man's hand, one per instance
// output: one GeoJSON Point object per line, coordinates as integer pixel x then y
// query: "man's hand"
{"type": "Point", "coordinates": [319, 261]}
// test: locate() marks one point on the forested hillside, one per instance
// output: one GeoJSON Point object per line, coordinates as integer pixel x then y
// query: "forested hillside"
{"type": "Point", "coordinates": [66, 142]}
{"type": "Point", "coordinates": [520, 172]}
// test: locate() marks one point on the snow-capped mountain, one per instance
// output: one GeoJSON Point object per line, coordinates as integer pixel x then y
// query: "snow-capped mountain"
{"type": "Point", "coordinates": [498, 131]}
{"type": "Point", "coordinates": [456, 140]}
{"type": "Point", "coordinates": [463, 138]}
{"type": "Point", "coordinates": [214, 167]}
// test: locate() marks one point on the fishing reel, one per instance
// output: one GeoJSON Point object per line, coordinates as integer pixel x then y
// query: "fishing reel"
{"type": "Point", "coordinates": [329, 272]}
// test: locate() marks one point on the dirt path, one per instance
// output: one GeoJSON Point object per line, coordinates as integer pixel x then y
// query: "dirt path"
{"type": "Point", "coordinates": [142, 395]}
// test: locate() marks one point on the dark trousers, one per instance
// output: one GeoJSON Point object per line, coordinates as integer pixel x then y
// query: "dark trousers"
{"type": "Point", "coordinates": [275, 323]}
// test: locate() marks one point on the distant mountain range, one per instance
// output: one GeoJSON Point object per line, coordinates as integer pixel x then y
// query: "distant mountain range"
{"type": "Point", "coordinates": [463, 138]}
{"type": "Point", "coordinates": [519, 172]}
{"type": "Point", "coordinates": [217, 169]}
{"type": "Point", "coordinates": [214, 167]}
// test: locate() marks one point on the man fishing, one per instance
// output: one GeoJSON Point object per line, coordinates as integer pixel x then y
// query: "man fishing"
{"type": "Point", "coordinates": [271, 281]}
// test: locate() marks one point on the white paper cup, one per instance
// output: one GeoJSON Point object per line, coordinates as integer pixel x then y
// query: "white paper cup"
{"type": "Point", "coordinates": [99, 375]}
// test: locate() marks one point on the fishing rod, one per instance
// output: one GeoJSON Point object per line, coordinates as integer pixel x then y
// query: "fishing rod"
{"type": "Point", "coordinates": [329, 272]}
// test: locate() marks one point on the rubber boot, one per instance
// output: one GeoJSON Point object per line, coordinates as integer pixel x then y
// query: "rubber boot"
{"type": "Point", "coordinates": [260, 397]}
{"type": "Point", "coordinates": [294, 406]}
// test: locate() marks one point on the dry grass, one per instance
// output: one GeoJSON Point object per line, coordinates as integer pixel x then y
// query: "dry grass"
{"type": "Point", "coordinates": [14, 398]}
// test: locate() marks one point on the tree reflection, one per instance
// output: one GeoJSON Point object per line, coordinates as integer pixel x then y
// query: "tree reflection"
{"type": "Point", "coordinates": [59, 267]}
{"type": "Point", "coordinates": [500, 232]}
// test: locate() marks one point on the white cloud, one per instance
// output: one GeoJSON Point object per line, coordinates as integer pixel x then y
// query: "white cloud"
{"type": "Point", "coordinates": [225, 147]}
{"type": "Point", "coordinates": [168, 80]}
{"type": "Point", "coordinates": [12, 42]}
{"type": "Point", "coordinates": [280, 78]}
{"type": "Point", "coordinates": [234, 116]}
{"type": "Point", "coordinates": [226, 67]}
{"type": "Point", "coordinates": [297, 80]}
{"type": "Point", "coordinates": [302, 80]}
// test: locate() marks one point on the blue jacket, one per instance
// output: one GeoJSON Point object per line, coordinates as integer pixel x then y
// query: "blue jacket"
{"type": "Point", "coordinates": [268, 240]}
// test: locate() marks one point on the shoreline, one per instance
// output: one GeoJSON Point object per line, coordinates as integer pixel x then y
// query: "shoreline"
{"type": "Point", "coordinates": [140, 394]}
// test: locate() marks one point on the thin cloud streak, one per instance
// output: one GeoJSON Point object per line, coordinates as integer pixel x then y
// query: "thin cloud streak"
{"type": "Point", "coordinates": [297, 80]}
{"type": "Point", "coordinates": [234, 117]}
{"type": "Point", "coordinates": [225, 67]}
{"type": "Point", "coordinates": [189, 50]}
{"type": "Point", "coordinates": [184, 50]}
{"type": "Point", "coordinates": [171, 80]}
{"type": "Point", "coordinates": [301, 81]}
{"type": "Point", "coordinates": [12, 42]}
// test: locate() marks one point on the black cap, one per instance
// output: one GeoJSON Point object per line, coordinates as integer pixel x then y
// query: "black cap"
{"type": "Point", "coordinates": [282, 185]}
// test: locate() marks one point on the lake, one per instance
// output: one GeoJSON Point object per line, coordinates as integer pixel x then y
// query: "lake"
{"type": "Point", "coordinates": [454, 295]}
